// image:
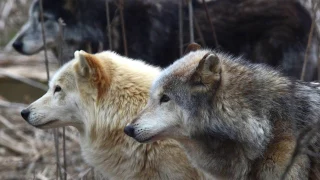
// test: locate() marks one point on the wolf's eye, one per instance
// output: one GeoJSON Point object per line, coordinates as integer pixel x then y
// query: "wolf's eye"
{"type": "Point", "coordinates": [57, 89]}
{"type": "Point", "coordinates": [164, 99]}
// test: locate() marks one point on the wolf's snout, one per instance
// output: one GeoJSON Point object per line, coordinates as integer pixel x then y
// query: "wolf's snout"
{"type": "Point", "coordinates": [129, 130]}
{"type": "Point", "coordinates": [17, 45]}
{"type": "Point", "coordinates": [25, 114]}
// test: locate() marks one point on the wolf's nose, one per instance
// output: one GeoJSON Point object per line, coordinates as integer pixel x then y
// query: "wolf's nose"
{"type": "Point", "coordinates": [25, 114]}
{"type": "Point", "coordinates": [17, 45]}
{"type": "Point", "coordinates": [129, 130]}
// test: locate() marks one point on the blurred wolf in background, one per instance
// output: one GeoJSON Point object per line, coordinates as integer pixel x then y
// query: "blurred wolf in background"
{"type": "Point", "coordinates": [268, 31]}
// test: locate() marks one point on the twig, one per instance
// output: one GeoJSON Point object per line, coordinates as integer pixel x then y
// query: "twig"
{"type": "Point", "coordinates": [307, 50]}
{"type": "Point", "coordinates": [211, 24]}
{"type": "Point", "coordinates": [31, 166]}
{"type": "Point", "coordinates": [84, 173]}
{"type": "Point", "coordinates": [6, 122]}
{"type": "Point", "coordinates": [191, 21]}
{"type": "Point", "coordinates": [6, 104]}
{"type": "Point", "coordinates": [92, 173]}
{"type": "Point", "coordinates": [44, 40]}
{"type": "Point", "coordinates": [12, 144]}
{"type": "Point", "coordinates": [18, 133]}
{"type": "Point", "coordinates": [61, 25]}
{"type": "Point", "coordinates": [41, 177]}
{"type": "Point", "coordinates": [108, 25]}
{"type": "Point", "coordinates": [64, 152]}
{"type": "Point", "coordinates": [181, 27]}
{"type": "Point", "coordinates": [313, 24]}
{"type": "Point", "coordinates": [318, 56]}
{"type": "Point", "coordinates": [88, 47]}
{"type": "Point", "coordinates": [72, 136]}
{"type": "Point", "coordinates": [123, 28]}
{"type": "Point", "coordinates": [56, 145]}
{"type": "Point", "coordinates": [100, 48]}
{"type": "Point", "coordinates": [24, 80]}
{"type": "Point", "coordinates": [31, 142]}
{"type": "Point", "coordinates": [203, 42]}
{"type": "Point", "coordinates": [8, 6]}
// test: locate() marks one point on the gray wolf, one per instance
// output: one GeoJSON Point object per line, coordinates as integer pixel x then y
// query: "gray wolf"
{"type": "Point", "coordinates": [235, 119]}
{"type": "Point", "coordinates": [269, 31]}
{"type": "Point", "coordinates": [99, 94]}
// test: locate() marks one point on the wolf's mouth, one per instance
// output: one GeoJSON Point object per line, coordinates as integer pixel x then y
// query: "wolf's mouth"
{"type": "Point", "coordinates": [150, 139]}
{"type": "Point", "coordinates": [45, 125]}
{"type": "Point", "coordinates": [145, 140]}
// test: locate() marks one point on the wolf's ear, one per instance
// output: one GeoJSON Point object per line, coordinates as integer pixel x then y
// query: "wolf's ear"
{"type": "Point", "coordinates": [210, 63]}
{"type": "Point", "coordinates": [84, 68]}
{"type": "Point", "coordinates": [90, 67]}
{"type": "Point", "coordinates": [192, 47]}
{"type": "Point", "coordinates": [208, 71]}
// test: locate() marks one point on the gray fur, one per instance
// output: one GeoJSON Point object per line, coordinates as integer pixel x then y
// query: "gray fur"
{"type": "Point", "coordinates": [231, 126]}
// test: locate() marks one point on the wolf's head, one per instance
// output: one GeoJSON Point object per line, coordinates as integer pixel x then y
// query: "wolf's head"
{"type": "Point", "coordinates": [29, 39]}
{"type": "Point", "coordinates": [173, 97]}
{"type": "Point", "coordinates": [79, 29]}
{"type": "Point", "coordinates": [78, 83]}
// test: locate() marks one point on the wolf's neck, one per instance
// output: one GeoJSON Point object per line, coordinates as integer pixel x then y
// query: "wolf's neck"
{"type": "Point", "coordinates": [104, 143]}
{"type": "Point", "coordinates": [111, 116]}
{"type": "Point", "coordinates": [223, 160]}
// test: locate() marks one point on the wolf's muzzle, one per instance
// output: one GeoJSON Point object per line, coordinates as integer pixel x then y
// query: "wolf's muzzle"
{"type": "Point", "coordinates": [129, 130]}
{"type": "Point", "coordinates": [25, 114]}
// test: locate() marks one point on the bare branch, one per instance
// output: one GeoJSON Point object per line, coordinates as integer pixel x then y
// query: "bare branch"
{"type": "Point", "coordinates": [84, 173]}
{"type": "Point", "coordinates": [181, 27]}
{"type": "Point", "coordinates": [318, 56]}
{"type": "Point", "coordinates": [25, 80]}
{"type": "Point", "coordinates": [64, 152]}
{"type": "Point", "coordinates": [44, 40]}
{"type": "Point", "coordinates": [61, 25]}
{"type": "Point", "coordinates": [123, 28]}
{"type": "Point", "coordinates": [56, 145]}
{"type": "Point", "coordinates": [305, 61]}
{"type": "Point", "coordinates": [199, 32]}
{"type": "Point", "coordinates": [12, 144]}
{"type": "Point", "coordinates": [191, 21]}
{"type": "Point", "coordinates": [211, 24]}
{"type": "Point", "coordinates": [310, 37]}
{"type": "Point", "coordinates": [108, 25]}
